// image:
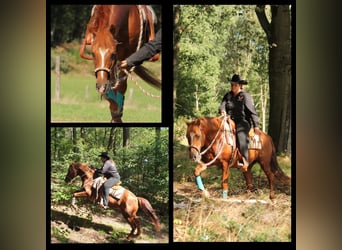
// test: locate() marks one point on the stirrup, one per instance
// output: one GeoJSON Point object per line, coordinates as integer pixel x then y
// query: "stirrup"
{"type": "Point", "coordinates": [242, 167]}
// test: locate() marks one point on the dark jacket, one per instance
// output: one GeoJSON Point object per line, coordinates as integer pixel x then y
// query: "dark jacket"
{"type": "Point", "coordinates": [240, 108]}
{"type": "Point", "coordinates": [147, 51]}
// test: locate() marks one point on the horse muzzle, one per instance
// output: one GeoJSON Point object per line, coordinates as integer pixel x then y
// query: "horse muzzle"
{"type": "Point", "coordinates": [101, 88]}
{"type": "Point", "coordinates": [195, 155]}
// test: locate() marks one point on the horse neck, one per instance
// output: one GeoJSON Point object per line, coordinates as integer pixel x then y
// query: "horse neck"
{"type": "Point", "coordinates": [212, 132]}
{"type": "Point", "coordinates": [86, 176]}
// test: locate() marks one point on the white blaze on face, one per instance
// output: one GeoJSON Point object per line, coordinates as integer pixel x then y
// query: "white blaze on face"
{"type": "Point", "coordinates": [102, 55]}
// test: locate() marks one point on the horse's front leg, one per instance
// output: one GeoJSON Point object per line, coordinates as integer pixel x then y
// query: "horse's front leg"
{"type": "Point", "coordinates": [115, 112]}
{"type": "Point", "coordinates": [116, 97]}
{"type": "Point", "coordinates": [77, 194]}
{"type": "Point", "coordinates": [199, 168]}
{"type": "Point", "coordinates": [225, 176]}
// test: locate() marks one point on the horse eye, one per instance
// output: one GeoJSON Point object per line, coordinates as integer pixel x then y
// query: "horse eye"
{"type": "Point", "coordinates": [113, 56]}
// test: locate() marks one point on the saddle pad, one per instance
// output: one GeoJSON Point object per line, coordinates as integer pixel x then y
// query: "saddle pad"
{"type": "Point", "coordinates": [254, 142]}
{"type": "Point", "coordinates": [116, 193]}
{"type": "Point", "coordinates": [229, 134]}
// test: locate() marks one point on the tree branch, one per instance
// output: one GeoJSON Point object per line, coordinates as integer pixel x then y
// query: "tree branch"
{"type": "Point", "coordinates": [260, 12]}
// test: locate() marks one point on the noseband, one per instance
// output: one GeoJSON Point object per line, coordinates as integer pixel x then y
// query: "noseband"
{"type": "Point", "coordinates": [112, 82]}
{"type": "Point", "coordinates": [102, 69]}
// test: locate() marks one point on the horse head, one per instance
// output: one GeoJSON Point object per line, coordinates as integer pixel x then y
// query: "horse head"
{"type": "Point", "coordinates": [105, 58]}
{"type": "Point", "coordinates": [72, 172]}
{"type": "Point", "coordinates": [79, 169]}
{"type": "Point", "coordinates": [196, 139]}
{"type": "Point", "coordinates": [114, 32]}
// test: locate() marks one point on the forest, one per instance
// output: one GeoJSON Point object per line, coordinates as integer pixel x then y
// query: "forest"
{"type": "Point", "coordinates": [141, 155]}
{"type": "Point", "coordinates": [213, 42]}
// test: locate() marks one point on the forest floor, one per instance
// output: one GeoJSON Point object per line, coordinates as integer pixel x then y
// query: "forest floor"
{"type": "Point", "coordinates": [81, 225]}
{"type": "Point", "coordinates": [238, 218]}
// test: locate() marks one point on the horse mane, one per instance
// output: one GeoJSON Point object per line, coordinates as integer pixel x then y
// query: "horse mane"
{"type": "Point", "coordinates": [99, 18]}
{"type": "Point", "coordinates": [84, 167]}
{"type": "Point", "coordinates": [208, 121]}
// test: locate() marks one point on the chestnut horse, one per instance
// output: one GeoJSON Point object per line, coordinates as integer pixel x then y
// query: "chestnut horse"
{"type": "Point", "coordinates": [208, 145]}
{"type": "Point", "coordinates": [114, 33]}
{"type": "Point", "coordinates": [128, 204]}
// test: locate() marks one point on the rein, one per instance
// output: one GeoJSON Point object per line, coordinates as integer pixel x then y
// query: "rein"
{"type": "Point", "coordinates": [223, 140]}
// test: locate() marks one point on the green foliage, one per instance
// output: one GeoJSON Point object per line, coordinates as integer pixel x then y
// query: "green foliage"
{"type": "Point", "coordinates": [143, 164]}
{"type": "Point", "coordinates": [64, 67]}
{"type": "Point", "coordinates": [60, 234]}
{"type": "Point", "coordinates": [68, 22]}
{"type": "Point", "coordinates": [216, 42]}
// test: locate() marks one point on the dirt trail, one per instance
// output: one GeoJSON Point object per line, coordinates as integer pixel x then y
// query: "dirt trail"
{"type": "Point", "coordinates": [83, 226]}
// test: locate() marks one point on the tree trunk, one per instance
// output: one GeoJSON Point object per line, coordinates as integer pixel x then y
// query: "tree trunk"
{"type": "Point", "coordinates": [157, 150]}
{"type": "Point", "coordinates": [126, 137]}
{"type": "Point", "coordinates": [74, 140]}
{"type": "Point", "coordinates": [278, 33]}
{"type": "Point", "coordinates": [111, 139]}
{"type": "Point", "coordinates": [176, 38]}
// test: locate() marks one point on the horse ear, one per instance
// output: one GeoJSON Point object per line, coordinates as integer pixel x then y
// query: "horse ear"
{"type": "Point", "coordinates": [187, 121]}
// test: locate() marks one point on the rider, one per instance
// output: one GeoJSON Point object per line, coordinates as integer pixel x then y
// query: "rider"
{"type": "Point", "coordinates": [147, 51]}
{"type": "Point", "coordinates": [240, 106]}
{"type": "Point", "coordinates": [111, 173]}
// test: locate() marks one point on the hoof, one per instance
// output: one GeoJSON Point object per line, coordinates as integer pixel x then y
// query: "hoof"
{"type": "Point", "coordinates": [224, 194]}
{"type": "Point", "coordinates": [205, 194]}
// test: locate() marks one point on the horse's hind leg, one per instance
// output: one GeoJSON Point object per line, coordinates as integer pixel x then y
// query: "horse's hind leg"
{"type": "Point", "coordinates": [137, 225]}
{"type": "Point", "coordinates": [249, 182]}
{"type": "Point", "coordinates": [133, 227]}
{"type": "Point", "coordinates": [270, 176]}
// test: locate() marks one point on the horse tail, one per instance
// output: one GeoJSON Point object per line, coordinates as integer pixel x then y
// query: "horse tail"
{"type": "Point", "coordinates": [147, 76]}
{"type": "Point", "coordinates": [276, 170]}
{"type": "Point", "coordinates": [146, 206]}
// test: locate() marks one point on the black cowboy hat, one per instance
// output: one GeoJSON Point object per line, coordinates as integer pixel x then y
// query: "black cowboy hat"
{"type": "Point", "coordinates": [237, 79]}
{"type": "Point", "coordinates": [104, 154]}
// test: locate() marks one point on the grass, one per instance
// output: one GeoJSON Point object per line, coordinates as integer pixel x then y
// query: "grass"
{"type": "Point", "coordinates": [218, 220]}
{"type": "Point", "coordinates": [80, 102]}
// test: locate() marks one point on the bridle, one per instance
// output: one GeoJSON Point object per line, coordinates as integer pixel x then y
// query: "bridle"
{"type": "Point", "coordinates": [218, 152]}
{"type": "Point", "coordinates": [81, 176]}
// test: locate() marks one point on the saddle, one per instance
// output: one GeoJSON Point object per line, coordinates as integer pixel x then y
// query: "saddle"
{"type": "Point", "coordinates": [254, 141]}
{"type": "Point", "coordinates": [115, 191]}
{"type": "Point", "coordinates": [149, 17]}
